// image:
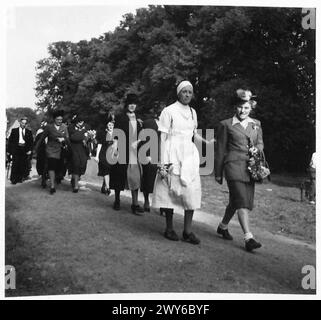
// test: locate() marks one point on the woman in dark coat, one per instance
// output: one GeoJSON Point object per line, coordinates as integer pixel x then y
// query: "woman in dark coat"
{"type": "Point", "coordinates": [126, 173]}
{"type": "Point", "coordinates": [58, 138]}
{"type": "Point", "coordinates": [237, 138]}
{"type": "Point", "coordinates": [79, 153]}
{"type": "Point", "coordinates": [41, 164]}
{"type": "Point", "coordinates": [104, 140]}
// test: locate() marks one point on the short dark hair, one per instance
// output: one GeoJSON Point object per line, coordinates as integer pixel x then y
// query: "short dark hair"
{"type": "Point", "coordinates": [58, 113]}
{"type": "Point", "coordinates": [23, 118]}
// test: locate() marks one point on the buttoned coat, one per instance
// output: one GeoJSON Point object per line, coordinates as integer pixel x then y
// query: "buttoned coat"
{"type": "Point", "coordinates": [118, 172]}
{"type": "Point", "coordinates": [232, 155]}
{"type": "Point", "coordinates": [53, 147]}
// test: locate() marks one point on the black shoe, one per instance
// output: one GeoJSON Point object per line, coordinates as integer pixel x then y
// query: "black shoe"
{"type": "Point", "coordinates": [103, 190]}
{"type": "Point", "coordinates": [171, 235]}
{"type": "Point", "coordinates": [75, 190]}
{"type": "Point", "coordinates": [108, 191]}
{"type": "Point", "coordinates": [43, 184]}
{"type": "Point", "coordinates": [191, 238]}
{"type": "Point", "coordinates": [116, 206]}
{"type": "Point", "coordinates": [252, 244]}
{"type": "Point", "coordinates": [136, 209]}
{"type": "Point", "coordinates": [226, 235]}
{"type": "Point", "coordinates": [52, 190]}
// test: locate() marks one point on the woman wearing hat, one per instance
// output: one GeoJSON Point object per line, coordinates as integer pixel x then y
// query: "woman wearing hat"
{"type": "Point", "coordinates": [58, 138]}
{"type": "Point", "coordinates": [179, 189]}
{"type": "Point", "coordinates": [237, 138]}
{"type": "Point", "coordinates": [79, 155]}
{"type": "Point", "coordinates": [105, 140]}
{"type": "Point", "coordinates": [126, 174]}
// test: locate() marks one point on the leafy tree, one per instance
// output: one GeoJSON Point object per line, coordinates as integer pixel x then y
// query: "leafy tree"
{"type": "Point", "coordinates": [219, 49]}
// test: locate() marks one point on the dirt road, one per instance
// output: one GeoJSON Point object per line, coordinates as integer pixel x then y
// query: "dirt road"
{"type": "Point", "coordinates": [76, 243]}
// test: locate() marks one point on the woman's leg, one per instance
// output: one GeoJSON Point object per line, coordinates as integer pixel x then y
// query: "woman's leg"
{"type": "Point", "coordinates": [134, 197]}
{"type": "Point", "coordinates": [250, 242]}
{"type": "Point", "coordinates": [75, 178]}
{"type": "Point", "coordinates": [229, 213]}
{"type": "Point", "coordinates": [243, 215]}
{"type": "Point", "coordinates": [146, 201]}
{"type": "Point", "coordinates": [117, 199]}
{"type": "Point", "coordinates": [169, 219]}
{"type": "Point", "coordinates": [136, 209]}
{"type": "Point", "coordinates": [188, 217]}
{"type": "Point", "coordinates": [188, 235]}
{"type": "Point", "coordinates": [52, 178]}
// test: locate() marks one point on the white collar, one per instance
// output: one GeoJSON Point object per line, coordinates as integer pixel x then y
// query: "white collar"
{"type": "Point", "coordinates": [235, 120]}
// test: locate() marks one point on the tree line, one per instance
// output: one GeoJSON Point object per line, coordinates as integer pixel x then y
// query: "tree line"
{"type": "Point", "coordinates": [217, 48]}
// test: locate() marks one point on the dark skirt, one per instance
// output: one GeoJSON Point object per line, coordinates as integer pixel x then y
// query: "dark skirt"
{"type": "Point", "coordinates": [78, 159]}
{"type": "Point", "coordinates": [103, 165]}
{"type": "Point", "coordinates": [148, 179]}
{"type": "Point", "coordinates": [241, 194]}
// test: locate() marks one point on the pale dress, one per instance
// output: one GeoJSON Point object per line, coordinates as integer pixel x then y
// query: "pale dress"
{"type": "Point", "coordinates": [182, 191]}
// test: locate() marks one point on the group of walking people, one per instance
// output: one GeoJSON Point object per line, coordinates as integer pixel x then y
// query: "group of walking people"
{"type": "Point", "coordinates": [173, 177]}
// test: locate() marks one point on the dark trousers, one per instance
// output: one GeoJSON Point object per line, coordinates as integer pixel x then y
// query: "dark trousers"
{"type": "Point", "coordinates": [20, 165]}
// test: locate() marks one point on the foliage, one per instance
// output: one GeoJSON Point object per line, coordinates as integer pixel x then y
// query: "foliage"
{"type": "Point", "coordinates": [217, 48]}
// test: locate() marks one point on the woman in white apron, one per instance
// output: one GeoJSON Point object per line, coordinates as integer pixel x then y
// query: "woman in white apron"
{"type": "Point", "coordinates": [179, 189]}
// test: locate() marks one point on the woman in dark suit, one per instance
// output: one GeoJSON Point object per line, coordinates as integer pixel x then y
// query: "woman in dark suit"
{"type": "Point", "coordinates": [79, 156]}
{"type": "Point", "coordinates": [58, 138]}
{"type": "Point", "coordinates": [126, 173]}
{"type": "Point", "coordinates": [235, 136]}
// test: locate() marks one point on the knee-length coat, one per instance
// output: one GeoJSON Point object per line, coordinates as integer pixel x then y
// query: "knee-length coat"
{"type": "Point", "coordinates": [118, 171]}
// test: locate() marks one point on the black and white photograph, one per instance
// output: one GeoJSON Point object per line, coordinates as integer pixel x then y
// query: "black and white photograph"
{"type": "Point", "coordinates": [159, 150]}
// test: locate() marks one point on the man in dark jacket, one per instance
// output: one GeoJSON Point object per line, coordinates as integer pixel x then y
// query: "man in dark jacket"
{"type": "Point", "coordinates": [19, 149]}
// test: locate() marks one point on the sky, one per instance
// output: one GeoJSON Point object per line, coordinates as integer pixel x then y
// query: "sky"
{"type": "Point", "coordinates": [31, 29]}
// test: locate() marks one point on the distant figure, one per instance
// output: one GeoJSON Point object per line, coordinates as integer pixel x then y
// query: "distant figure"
{"type": "Point", "coordinates": [232, 157]}
{"type": "Point", "coordinates": [312, 173]}
{"type": "Point", "coordinates": [79, 153]}
{"type": "Point", "coordinates": [104, 140]}
{"type": "Point", "coordinates": [41, 164]}
{"type": "Point", "coordinates": [58, 140]}
{"type": "Point", "coordinates": [20, 146]}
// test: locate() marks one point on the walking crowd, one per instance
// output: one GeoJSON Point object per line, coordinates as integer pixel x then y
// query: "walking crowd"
{"type": "Point", "coordinates": [164, 163]}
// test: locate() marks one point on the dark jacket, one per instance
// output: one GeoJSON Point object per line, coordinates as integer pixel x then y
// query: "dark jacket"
{"type": "Point", "coordinates": [53, 147]}
{"type": "Point", "coordinates": [231, 154]}
{"type": "Point", "coordinates": [118, 172]}
{"type": "Point", "coordinates": [14, 140]}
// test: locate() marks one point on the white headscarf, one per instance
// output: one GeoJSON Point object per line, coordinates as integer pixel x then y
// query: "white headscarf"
{"type": "Point", "coordinates": [182, 85]}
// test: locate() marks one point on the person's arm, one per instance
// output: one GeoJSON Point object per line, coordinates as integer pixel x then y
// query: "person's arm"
{"type": "Point", "coordinates": [201, 139]}
{"type": "Point", "coordinates": [44, 135]}
{"type": "Point", "coordinates": [220, 152]}
{"type": "Point", "coordinates": [97, 152]}
{"type": "Point", "coordinates": [163, 138]}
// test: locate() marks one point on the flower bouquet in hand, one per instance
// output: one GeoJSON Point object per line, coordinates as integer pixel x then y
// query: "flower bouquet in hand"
{"type": "Point", "coordinates": [164, 171]}
{"type": "Point", "coordinates": [257, 165]}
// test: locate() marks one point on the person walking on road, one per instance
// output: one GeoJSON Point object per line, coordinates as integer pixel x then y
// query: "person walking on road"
{"type": "Point", "coordinates": [232, 158]}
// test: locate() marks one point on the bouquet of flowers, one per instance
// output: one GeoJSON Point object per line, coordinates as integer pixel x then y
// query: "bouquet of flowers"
{"type": "Point", "coordinates": [164, 170]}
{"type": "Point", "coordinates": [257, 166]}
{"type": "Point", "coordinates": [90, 135]}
